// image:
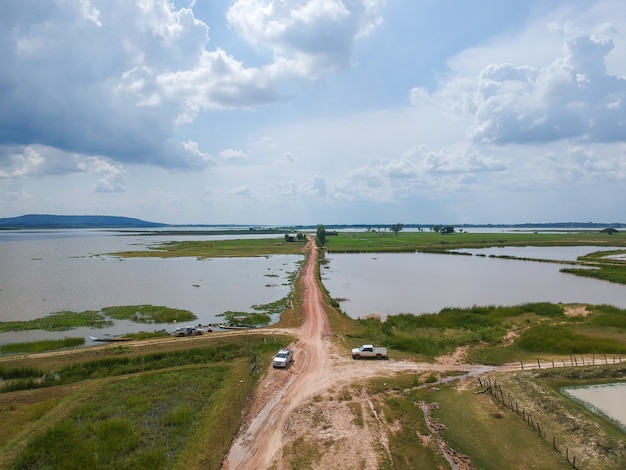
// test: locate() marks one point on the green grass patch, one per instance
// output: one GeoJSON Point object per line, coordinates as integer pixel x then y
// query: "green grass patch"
{"type": "Point", "coordinates": [562, 340]}
{"type": "Point", "coordinates": [359, 242]}
{"type": "Point", "coordinates": [117, 364]}
{"type": "Point", "coordinates": [611, 273]}
{"type": "Point", "coordinates": [218, 248]}
{"type": "Point", "coordinates": [543, 328]}
{"type": "Point", "coordinates": [301, 454]}
{"type": "Point", "coordinates": [59, 321]}
{"type": "Point", "coordinates": [129, 423]}
{"type": "Point", "coordinates": [164, 406]}
{"type": "Point", "coordinates": [41, 346]}
{"type": "Point", "coordinates": [148, 314]}
{"type": "Point", "coordinates": [66, 320]}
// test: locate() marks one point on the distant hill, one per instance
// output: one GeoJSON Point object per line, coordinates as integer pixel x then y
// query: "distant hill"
{"type": "Point", "coordinates": [74, 221]}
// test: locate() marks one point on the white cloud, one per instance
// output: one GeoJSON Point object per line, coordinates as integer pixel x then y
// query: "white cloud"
{"type": "Point", "coordinates": [243, 191]}
{"type": "Point", "coordinates": [310, 35]}
{"type": "Point", "coordinates": [115, 78]}
{"type": "Point", "coordinates": [572, 98]}
{"type": "Point", "coordinates": [232, 154]}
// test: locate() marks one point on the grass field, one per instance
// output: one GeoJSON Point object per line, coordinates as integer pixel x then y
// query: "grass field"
{"type": "Point", "coordinates": [119, 407]}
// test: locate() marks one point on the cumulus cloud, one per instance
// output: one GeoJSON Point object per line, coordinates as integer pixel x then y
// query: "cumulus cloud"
{"type": "Point", "coordinates": [572, 98]}
{"type": "Point", "coordinates": [307, 36]}
{"type": "Point", "coordinates": [36, 160]}
{"type": "Point", "coordinates": [420, 172]}
{"type": "Point", "coordinates": [232, 154]}
{"type": "Point", "coordinates": [114, 78]}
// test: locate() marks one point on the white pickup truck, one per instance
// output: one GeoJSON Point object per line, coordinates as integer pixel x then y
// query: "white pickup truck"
{"type": "Point", "coordinates": [188, 331]}
{"type": "Point", "coordinates": [283, 358]}
{"type": "Point", "coordinates": [367, 350]}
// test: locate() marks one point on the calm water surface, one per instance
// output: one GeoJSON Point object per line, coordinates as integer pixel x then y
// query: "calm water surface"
{"type": "Point", "coordinates": [608, 399]}
{"type": "Point", "coordinates": [418, 283]}
{"type": "Point", "coordinates": [44, 272]}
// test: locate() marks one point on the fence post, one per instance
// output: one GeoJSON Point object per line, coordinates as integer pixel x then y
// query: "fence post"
{"type": "Point", "coordinates": [539, 365]}
{"type": "Point", "coordinates": [522, 364]}
{"type": "Point", "coordinates": [553, 441]}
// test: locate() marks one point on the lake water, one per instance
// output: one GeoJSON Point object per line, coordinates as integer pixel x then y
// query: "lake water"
{"type": "Point", "coordinates": [418, 283]}
{"type": "Point", "coordinates": [608, 399]}
{"type": "Point", "coordinates": [50, 271]}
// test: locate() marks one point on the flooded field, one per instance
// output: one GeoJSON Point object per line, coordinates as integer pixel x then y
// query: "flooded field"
{"type": "Point", "coordinates": [393, 283]}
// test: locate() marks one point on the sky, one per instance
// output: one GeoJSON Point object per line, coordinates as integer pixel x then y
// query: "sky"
{"type": "Point", "coordinates": [304, 112]}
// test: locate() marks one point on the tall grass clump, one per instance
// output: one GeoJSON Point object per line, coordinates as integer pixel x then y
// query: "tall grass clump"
{"type": "Point", "coordinates": [543, 309]}
{"type": "Point", "coordinates": [560, 340]}
{"type": "Point", "coordinates": [121, 365]}
{"type": "Point", "coordinates": [609, 316]}
{"type": "Point", "coordinates": [59, 321]}
{"type": "Point", "coordinates": [8, 373]}
{"type": "Point", "coordinates": [142, 420]}
{"type": "Point", "coordinates": [148, 314]}
{"type": "Point", "coordinates": [41, 346]}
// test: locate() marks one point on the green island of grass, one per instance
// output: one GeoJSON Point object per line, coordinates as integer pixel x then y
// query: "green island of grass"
{"type": "Point", "coordinates": [62, 321]}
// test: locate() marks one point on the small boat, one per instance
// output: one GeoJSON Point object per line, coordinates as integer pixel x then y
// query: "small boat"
{"type": "Point", "coordinates": [109, 338]}
{"type": "Point", "coordinates": [235, 327]}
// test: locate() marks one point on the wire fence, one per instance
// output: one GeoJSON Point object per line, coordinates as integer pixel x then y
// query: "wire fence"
{"type": "Point", "coordinates": [532, 419]}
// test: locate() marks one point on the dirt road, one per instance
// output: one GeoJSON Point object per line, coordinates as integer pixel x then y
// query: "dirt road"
{"type": "Point", "coordinates": [282, 391]}
{"type": "Point", "coordinates": [289, 403]}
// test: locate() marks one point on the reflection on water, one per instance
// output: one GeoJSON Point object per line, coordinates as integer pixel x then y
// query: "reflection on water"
{"type": "Point", "coordinates": [417, 283]}
{"type": "Point", "coordinates": [608, 399]}
{"type": "Point", "coordinates": [51, 271]}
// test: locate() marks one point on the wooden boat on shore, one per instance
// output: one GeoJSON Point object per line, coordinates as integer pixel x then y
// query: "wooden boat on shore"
{"type": "Point", "coordinates": [236, 327]}
{"type": "Point", "coordinates": [109, 338]}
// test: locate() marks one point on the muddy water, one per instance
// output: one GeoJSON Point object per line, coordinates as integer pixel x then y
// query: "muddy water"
{"type": "Point", "coordinates": [608, 399]}
{"type": "Point", "coordinates": [43, 272]}
{"type": "Point", "coordinates": [425, 283]}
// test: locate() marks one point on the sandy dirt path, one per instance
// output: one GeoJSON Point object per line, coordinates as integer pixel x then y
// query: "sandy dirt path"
{"type": "Point", "coordinates": [281, 391]}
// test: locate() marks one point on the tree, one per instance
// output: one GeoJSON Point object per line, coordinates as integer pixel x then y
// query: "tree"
{"type": "Point", "coordinates": [321, 235]}
{"type": "Point", "coordinates": [447, 229]}
{"type": "Point", "coordinates": [396, 228]}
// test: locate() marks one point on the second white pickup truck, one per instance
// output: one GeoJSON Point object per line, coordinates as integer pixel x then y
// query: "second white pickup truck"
{"type": "Point", "coordinates": [367, 350]}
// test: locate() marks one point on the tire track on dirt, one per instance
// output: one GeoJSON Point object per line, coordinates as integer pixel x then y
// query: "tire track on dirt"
{"type": "Point", "coordinates": [282, 391]}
